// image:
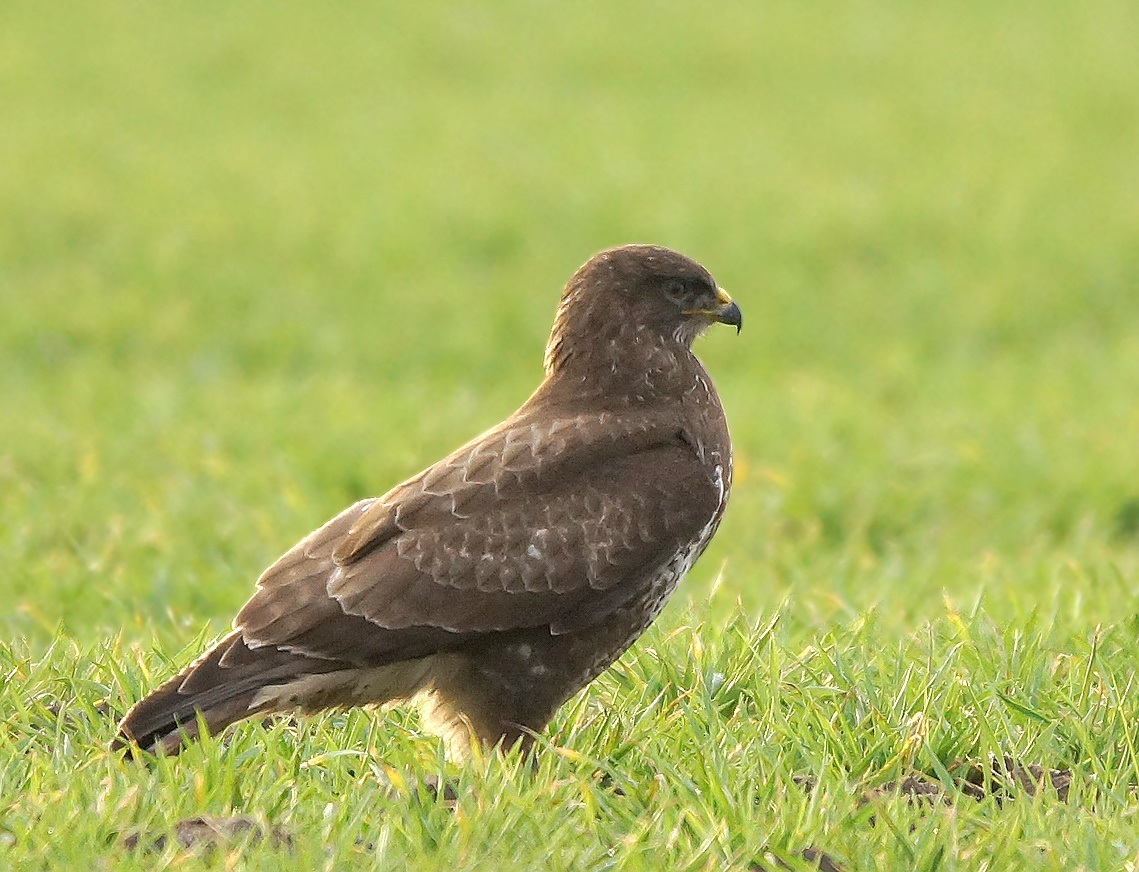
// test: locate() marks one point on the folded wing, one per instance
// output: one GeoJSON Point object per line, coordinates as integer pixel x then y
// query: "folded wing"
{"type": "Point", "coordinates": [531, 525]}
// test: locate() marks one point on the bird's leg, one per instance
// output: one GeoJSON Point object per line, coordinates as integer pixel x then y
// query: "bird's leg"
{"type": "Point", "coordinates": [433, 788]}
{"type": "Point", "coordinates": [487, 700]}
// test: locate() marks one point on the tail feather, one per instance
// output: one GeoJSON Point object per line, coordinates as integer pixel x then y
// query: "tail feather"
{"type": "Point", "coordinates": [221, 686]}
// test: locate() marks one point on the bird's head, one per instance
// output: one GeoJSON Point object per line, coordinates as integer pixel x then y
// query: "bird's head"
{"type": "Point", "coordinates": [636, 296]}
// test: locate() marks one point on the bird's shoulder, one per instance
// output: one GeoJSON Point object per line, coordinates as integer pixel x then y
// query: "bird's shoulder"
{"type": "Point", "coordinates": [535, 451]}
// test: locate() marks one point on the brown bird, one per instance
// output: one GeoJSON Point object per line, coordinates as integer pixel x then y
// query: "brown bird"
{"type": "Point", "coordinates": [498, 582]}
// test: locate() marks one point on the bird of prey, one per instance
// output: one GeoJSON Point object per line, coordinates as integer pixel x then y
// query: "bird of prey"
{"type": "Point", "coordinates": [498, 582]}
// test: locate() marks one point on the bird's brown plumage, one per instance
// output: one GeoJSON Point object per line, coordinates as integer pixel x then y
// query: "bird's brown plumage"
{"type": "Point", "coordinates": [498, 582]}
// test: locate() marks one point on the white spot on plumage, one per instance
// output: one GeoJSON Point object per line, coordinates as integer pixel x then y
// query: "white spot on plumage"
{"type": "Point", "coordinates": [537, 548]}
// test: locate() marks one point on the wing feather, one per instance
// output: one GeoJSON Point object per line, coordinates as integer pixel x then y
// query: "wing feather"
{"type": "Point", "coordinates": [568, 524]}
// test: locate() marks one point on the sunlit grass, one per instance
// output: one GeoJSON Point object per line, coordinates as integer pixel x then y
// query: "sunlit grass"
{"type": "Point", "coordinates": [258, 261]}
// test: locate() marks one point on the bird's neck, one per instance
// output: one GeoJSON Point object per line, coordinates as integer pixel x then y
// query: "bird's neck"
{"type": "Point", "coordinates": [628, 373]}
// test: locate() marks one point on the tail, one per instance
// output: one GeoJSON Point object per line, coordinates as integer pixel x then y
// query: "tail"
{"type": "Point", "coordinates": [222, 686]}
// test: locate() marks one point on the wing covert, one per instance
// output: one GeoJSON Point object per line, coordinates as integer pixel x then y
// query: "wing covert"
{"type": "Point", "coordinates": [559, 528]}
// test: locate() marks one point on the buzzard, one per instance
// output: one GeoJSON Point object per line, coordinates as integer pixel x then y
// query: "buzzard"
{"type": "Point", "coordinates": [498, 582]}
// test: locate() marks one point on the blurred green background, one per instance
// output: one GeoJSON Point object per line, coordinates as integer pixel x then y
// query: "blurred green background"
{"type": "Point", "coordinates": [258, 260]}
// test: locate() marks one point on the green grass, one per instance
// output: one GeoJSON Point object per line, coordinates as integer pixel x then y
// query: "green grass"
{"type": "Point", "coordinates": [259, 260]}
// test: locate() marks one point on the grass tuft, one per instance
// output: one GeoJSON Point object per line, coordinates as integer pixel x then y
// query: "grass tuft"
{"type": "Point", "coordinates": [258, 261]}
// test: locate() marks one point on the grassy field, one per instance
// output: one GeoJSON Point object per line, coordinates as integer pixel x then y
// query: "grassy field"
{"type": "Point", "coordinates": [259, 260]}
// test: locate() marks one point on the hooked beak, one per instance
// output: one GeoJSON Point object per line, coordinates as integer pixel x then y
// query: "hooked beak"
{"type": "Point", "coordinates": [727, 312]}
